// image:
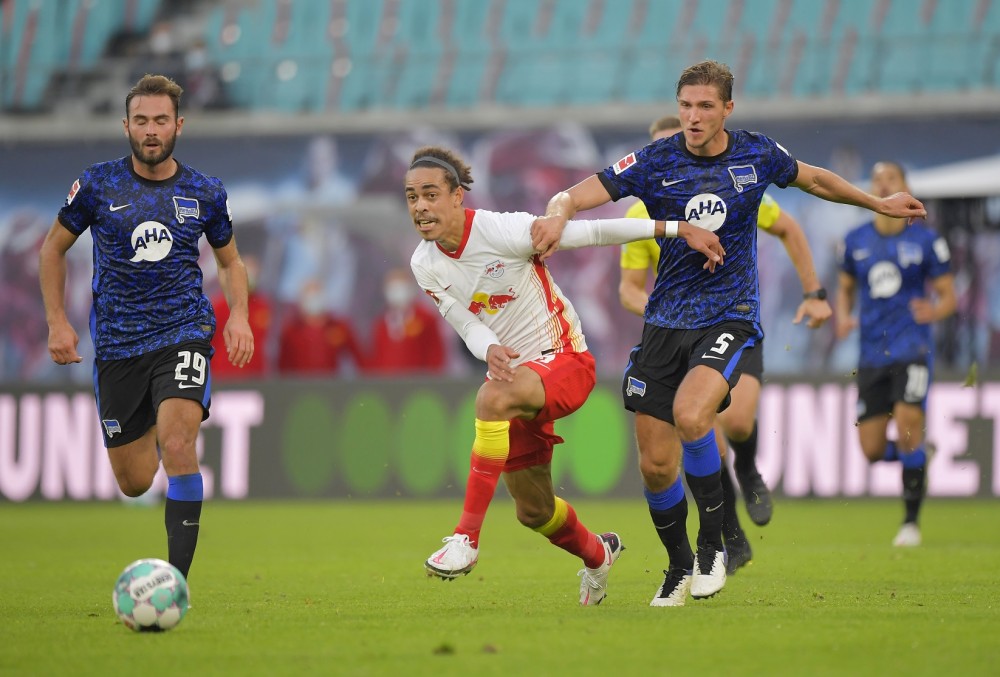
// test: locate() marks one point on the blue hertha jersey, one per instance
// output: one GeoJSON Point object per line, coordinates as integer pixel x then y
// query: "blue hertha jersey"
{"type": "Point", "coordinates": [891, 271]}
{"type": "Point", "coordinates": [147, 283]}
{"type": "Point", "coordinates": [721, 194]}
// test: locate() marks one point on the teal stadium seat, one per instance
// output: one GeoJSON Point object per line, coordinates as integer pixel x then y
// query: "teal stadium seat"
{"type": "Point", "coordinates": [904, 44]}
{"type": "Point", "coordinates": [371, 67]}
{"type": "Point", "coordinates": [652, 60]}
{"type": "Point", "coordinates": [308, 46]}
{"type": "Point", "coordinates": [417, 69]}
{"type": "Point", "coordinates": [470, 55]}
{"type": "Point", "coordinates": [597, 64]}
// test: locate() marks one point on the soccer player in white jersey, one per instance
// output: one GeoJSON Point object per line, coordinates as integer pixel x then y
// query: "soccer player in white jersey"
{"type": "Point", "coordinates": [489, 284]}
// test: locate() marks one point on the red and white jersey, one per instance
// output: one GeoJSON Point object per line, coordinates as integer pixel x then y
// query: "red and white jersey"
{"type": "Point", "coordinates": [496, 275]}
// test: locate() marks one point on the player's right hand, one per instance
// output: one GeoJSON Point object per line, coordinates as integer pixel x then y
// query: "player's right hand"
{"type": "Point", "coordinates": [704, 241]}
{"type": "Point", "coordinates": [903, 206]}
{"type": "Point", "coordinates": [546, 232]}
{"type": "Point", "coordinates": [62, 344]}
{"type": "Point", "coordinates": [498, 359]}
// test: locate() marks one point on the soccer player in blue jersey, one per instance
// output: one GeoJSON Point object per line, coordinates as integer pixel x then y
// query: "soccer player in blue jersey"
{"type": "Point", "coordinates": [738, 423]}
{"type": "Point", "coordinates": [700, 325]}
{"type": "Point", "coordinates": [151, 322]}
{"type": "Point", "coordinates": [889, 267]}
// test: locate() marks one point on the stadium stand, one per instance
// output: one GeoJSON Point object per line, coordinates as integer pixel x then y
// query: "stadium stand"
{"type": "Point", "coordinates": [351, 56]}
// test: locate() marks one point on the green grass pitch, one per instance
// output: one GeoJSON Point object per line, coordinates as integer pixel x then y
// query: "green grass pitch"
{"type": "Point", "coordinates": [338, 588]}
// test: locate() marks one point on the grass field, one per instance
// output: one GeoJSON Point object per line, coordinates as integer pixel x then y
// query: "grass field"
{"type": "Point", "coordinates": [338, 588]}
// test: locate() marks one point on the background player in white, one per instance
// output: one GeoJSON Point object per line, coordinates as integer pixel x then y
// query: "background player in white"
{"type": "Point", "coordinates": [889, 267]}
{"type": "Point", "coordinates": [151, 321]}
{"type": "Point", "coordinates": [483, 274]}
{"type": "Point", "coordinates": [698, 327]}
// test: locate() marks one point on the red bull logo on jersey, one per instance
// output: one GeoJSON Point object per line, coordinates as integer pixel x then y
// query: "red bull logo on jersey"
{"type": "Point", "coordinates": [743, 176]}
{"type": "Point", "coordinates": [495, 269]}
{"type": "Point", "coordinates": [491, 303]}
{"type": "Point", "coordinates": [186, 208]}
{"type": "Point", "coordinates": [706, 211]}
{"type": "Point", "coordinates": [151, 241]}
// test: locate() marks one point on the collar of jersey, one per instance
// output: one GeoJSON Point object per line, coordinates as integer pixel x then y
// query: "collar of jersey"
{"type": "Point", "coordinates": [469, 215]}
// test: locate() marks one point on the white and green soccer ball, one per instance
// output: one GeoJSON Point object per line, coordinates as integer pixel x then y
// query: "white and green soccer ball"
{"type": "Point", "coordinates": [150, 596]}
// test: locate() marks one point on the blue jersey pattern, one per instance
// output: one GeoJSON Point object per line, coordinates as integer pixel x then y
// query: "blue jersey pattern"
{"type": "Point", "coordinates": [891, 271]}
{"type": "Point", "coordinates": [147, 283]}
{"type": "Point", "coordinates": [720, 193]}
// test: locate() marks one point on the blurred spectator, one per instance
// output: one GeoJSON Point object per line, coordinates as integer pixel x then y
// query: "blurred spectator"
{"type": "Point", "coordinates": [202, 86]}
{"type": "Point", "coordinates": [406, 337]}
{"type": "Point", "coordinates": [261, 316]}
{"type": "Point", "coordinates": [313, 341]}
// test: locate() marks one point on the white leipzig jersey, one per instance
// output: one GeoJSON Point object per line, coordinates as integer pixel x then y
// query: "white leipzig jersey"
{"type": "Point", "coordinates": [496, 276]}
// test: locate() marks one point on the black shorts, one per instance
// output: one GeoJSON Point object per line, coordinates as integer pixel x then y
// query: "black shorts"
{"type": "Point", "coordinates": [658, 365]}
{"type": "Point", "coordinates": [880, 388]}
{"type": "Point", "coordinates": [130, 391]}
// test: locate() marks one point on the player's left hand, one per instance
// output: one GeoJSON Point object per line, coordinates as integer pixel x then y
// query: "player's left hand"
{"type": "Point", "coordinates": [546, 231]}
{"type": "Point", "coordinates": [818, 312]}
{"type": "Point", "coordinates": [704, 241]}
{"type": "Point", "coordinates": [239, 341]}
{"type": "Point", "coordinates": [902, 206]}
{"type": "Point", "coordinates": [923, 311]}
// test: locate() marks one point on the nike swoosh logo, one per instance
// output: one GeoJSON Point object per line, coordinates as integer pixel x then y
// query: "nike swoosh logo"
{"type": "Point", "coordinates": [187, 385]}
{"type": "Point", "coordinates": [113, 207]}
{"type": "Point", "coordinates": [189, 524]}
{"type": "Point", "coordinates": [666, 183]}
{"type": "Point", "coordinates": [666, 527]}
{"type": "Point", "coordinates": [713, 509]}
{"type": "Point", "coordinates": [706, 356]}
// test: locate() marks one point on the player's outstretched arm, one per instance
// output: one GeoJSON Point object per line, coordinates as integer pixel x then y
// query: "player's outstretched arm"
{"type": "Point", "coordinates": [845, 321]}
{"type": "Point", "coordinates": [63, 339]}
{"type": "Point", "coordinates": [546, 231]}
{"type": "Point", "coordinates": [796, 244]}
{"type": "Point", "coordinates": [233, 279]}
{"type": "Point", "coordinates": [829, 186]}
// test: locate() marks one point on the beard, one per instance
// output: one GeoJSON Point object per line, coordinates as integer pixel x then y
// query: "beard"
{"type": "Point", "coordinates": [152, 156]}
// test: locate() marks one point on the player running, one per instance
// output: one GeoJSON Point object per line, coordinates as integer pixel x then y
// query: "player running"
{"type": "Point", "coordinates": [889, 265]}
{"type": "Point", "coordinates": [151, 322]}
{"type": "Point", "coordinates": [489, 284]}
{"type": "Point", "coordinates": [700, 329]}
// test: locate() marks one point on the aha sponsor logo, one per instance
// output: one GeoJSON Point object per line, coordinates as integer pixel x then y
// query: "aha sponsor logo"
{"type": "Point", "coordinates": [491, 303]}
{"type": "Point", "coordinates": [884, 280]}
{"type": "Point", "coordinates": [151, 241]}
{"type": "Point", "coordinates": [706, 210]}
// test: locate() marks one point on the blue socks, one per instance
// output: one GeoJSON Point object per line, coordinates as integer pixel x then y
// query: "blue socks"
{"type": "Point", "coordinates": [701, 457]}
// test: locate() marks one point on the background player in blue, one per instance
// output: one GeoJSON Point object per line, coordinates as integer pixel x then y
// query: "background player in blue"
{"type": "Point", "coordinates": [700, 324]}
{"type": "Point", "coordinates": [151, 322]}
{"type": "Point", "coordinates": [889, 266]}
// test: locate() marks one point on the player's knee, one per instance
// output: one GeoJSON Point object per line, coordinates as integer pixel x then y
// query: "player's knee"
{"type": "Point", "coordinates": [691, 423]}
{"type": "Point", "coordinates": [134, 487]}
{"type": "Point", "coordinates": [179, 455]}
{"type": "Point", "coordinates": [739, 430]}
{"type": "Point", "coordinates": [657, 474]}
{"type": "Point", "coordinates": [494, 404]}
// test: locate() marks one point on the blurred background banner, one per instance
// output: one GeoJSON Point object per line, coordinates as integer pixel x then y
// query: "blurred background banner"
{"type": "Point", "coordinates": [409, 438]}
{"type": "Point", "coordinates": [309, 111]}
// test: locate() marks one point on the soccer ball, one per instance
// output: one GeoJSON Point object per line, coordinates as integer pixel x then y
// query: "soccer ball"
{"type": "Point", "coordinates": [150, 596]}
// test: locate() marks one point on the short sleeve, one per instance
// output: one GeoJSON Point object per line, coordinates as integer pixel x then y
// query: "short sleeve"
{"type": "Point", "coordinates": [628, 175]}
{"type": "Point", "coordinates": [939, 257]}
{"type": "Point", "coordinates": [219, 229]}
{"type": "Point", "coordinates": [845, 257]}
{"type": "Point", "coordinates": [77, 211]}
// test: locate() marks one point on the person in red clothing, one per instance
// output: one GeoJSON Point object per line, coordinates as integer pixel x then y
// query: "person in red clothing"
{"type": "Point", "coordinates": [313, 341]}
{"type": "Point", "coordinates": [260, 316]}
{"type": "Point", "coordinates": [406, 337]}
